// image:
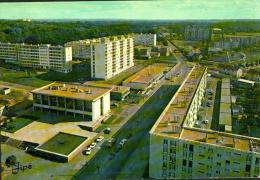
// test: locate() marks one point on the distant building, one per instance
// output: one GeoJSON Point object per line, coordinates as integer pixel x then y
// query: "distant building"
{"type": "Point", "coordinates": [197, 33]}
{"type": "Point", "coordinates": [5, 90]}
{"type": "Point", "coordinates": [57, 58]}
{"type": "Point", "coordinates": [146, 78]}
{"type": "Point", "coordinates": [245, 83]}
{"type": "Point", "coordinates": [145, 39]}
{"type": "Point", "coordinates": [111, 56]}
{"type": "Point", "coordinates": [233, 71]}
{"type": "Point", "coordinates": [87, 102]}
{"type": "Point", "coordinates": [143, 52]}
{"type": "Point", "coordinates": [241, 40]}
{"type": "Point", "coordinates": [81, 48]}
{"type": "Point", "coordinates": [163, 50]}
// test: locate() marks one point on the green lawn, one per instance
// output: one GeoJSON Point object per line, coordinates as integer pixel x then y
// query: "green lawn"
{"type": "Point", "coordinates": [63, 143]}
{"type": "Point", "coordinates": [16, 124]}
{"type": "Point", "coordinates": [21, 77]}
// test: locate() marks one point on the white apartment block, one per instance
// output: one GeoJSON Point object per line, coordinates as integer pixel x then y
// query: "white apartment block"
{"type": "Point", "coordinates": [111, 56]}
{"type": "Point", "coordinates": [81, 48]}
{"type": "Point", "coordinates": [57, 58]}
{"type": "Point", "coordinates": [145, 39]}
{"type": "Point", "coordinates": [178, 150]}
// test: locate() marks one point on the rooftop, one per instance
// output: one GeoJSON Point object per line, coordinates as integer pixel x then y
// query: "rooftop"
{"type": "Point", "coordinates": [114, 88]}
{"type": "Point", "coordinates": [216, 138]}
{"type": "Point", "coordinates": [172, 118]}
{"type": "Point", "coordinates": [147, 74]}
{"type": "Point", "coordinates": [73, 91]}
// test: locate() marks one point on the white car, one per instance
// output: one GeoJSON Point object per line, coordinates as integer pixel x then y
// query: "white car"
{"type": "Point", "coordinates": [87, 152]}
{"type": "Point", "coordinates": [92, 145]}
{"type": "Point", "coordinates": [100, 138]}
{"type": "Point", "coordinates": [206, 121]}
{"type": "Point", "coordinates": [88, 149]}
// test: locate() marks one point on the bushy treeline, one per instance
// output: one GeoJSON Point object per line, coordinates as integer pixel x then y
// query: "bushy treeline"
{"type": "Point", "coordinates": [56, 32]}
{"type": "Point", "coordinates": [60, 32]}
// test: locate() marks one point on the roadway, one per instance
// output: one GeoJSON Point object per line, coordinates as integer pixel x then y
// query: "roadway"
{"type": "Point", "coordinates": [131, 162]}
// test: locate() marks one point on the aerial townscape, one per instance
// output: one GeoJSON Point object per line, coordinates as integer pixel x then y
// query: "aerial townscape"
{"type": "Point", "coordinates": [129, 99]}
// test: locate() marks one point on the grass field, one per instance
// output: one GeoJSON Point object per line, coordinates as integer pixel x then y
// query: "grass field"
{"type": "Point", "coordinates": [21, 77]}
{"type": "Point", "coordinates": [63, 143]}
{"type": "Point", "coordinates": [16, 124]}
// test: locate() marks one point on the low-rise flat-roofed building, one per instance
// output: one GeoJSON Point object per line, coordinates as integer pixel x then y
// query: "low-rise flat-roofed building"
{"type": "Point", "coordinates": [146, 77]}
{"type": "Point", "coordinates": [57, 58]}
{"type": "Point", "coordinates": [145, 39]}
{"type": "Point", "coordinates": [245, 83]}
{"type": "Point", "coordinates": [178, 150]}
{"type": "Point", "coordinates": [111, 56]}
{"type": "Point", "coordinates": [90, 103]}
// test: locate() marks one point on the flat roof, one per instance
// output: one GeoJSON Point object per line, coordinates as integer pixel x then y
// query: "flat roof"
{"type": "Point", "coordinates": [172, 119]}
{"type": "Point", "coordinates": [114, 88]}
{"type": "Point", "coordinates": [62, 143]}
{"type": "Point", "coordinates": [246, 81]}
{"type": "Point", "coordinates": [74, 91]}
{"type": "Point", "coordinates": [147, 74]}
{"type": "Point", "coordinates": [216, 138]}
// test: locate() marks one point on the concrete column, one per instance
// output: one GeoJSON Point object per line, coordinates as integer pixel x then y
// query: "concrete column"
{"type": "Point", "coordinates": [65, 105]}
{"type": "Point", "coordinates": [74, 107]}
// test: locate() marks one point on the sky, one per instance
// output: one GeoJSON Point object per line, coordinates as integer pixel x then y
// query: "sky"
{"type": "Point", "coordinates": [156, 9]}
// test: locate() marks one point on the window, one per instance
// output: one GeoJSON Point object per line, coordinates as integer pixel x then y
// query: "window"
{"type": "Point", "coordinates": [184, 162]}
{"type": "Point", "coordinates": [191, 147]}
{"type": "Point", "coordinates": [190, 163]}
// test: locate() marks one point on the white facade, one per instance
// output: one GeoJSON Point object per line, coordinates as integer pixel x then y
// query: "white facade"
{"type": "Point", "coordinates": [44, 56]}
{"type": "Point", "coordinates": [145, 39]}
{"type": "Point", "coordinates": [111, 56]}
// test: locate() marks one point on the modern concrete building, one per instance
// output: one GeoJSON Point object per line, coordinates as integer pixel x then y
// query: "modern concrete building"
{"type": "Point", "coordinates": [57, 58]}
{"type": "Point", "coordinates": [111, 56]}
{"type": "Point", "coordinates": [90, 103]}
{"type": "Point", "coordinates": [197, 33]}
{"type": "Point", "coordinates": [177, 150]}
{"type": "Point", "coordinates": [145, 39]}
{"type": "Point", "coordinates": [146, 78]}
{"type": "Point", "coordinates": [81, 49]}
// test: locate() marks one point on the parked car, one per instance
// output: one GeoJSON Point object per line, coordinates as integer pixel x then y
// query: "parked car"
{"type": "Point", "coordinates": [206, 121]}
{"type": "Point", "coordinates": [89, 148]}
{"type": "Point", "coordinates": [107, 131]}
{"type": "Point", "coordinates": [92, 145]}
{"type": "Point", "coordinates": [87, 152]}
{"type": "Point", "coordinates": [111, 142]}
{"type": "Point", "coordinates": [100, 138]}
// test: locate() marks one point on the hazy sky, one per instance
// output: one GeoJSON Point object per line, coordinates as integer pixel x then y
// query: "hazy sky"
{"type": "Point", "coordinates": [160, 9]}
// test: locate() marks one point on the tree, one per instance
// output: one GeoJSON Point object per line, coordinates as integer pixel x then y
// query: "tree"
{"type": "Point", "coordinates": [10, 161]}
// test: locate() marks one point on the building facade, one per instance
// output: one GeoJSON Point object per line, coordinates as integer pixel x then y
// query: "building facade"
{"type": "Point", "coordinates": [111, 56]}
{"type": "Point", "coordinates": [197, 33]}
{"type": "Point", "coordinates": [89, 103]}
{"type": "Point", "coordinates": [81, 48]}
{"type": "Point", "coordinates": [145, 39]}
{"type": "Point", "coordinates": [178, 150]}
{"type": "Point", "coordinates": [57, 58]}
